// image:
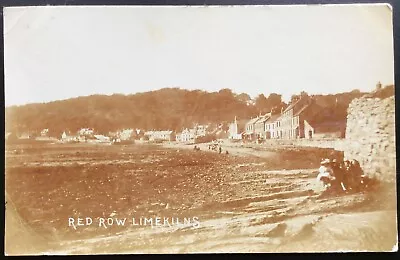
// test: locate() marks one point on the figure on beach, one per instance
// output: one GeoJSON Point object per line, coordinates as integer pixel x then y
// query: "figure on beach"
{"type": "Point", "coordinates": [343, 176]}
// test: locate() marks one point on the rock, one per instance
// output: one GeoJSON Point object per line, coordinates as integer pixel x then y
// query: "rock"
{"type": "Point", "coordinates": [370, 134]}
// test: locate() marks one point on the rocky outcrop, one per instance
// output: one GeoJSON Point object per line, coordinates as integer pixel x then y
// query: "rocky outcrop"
{"type": "Point", "coordinates": [370, 136]}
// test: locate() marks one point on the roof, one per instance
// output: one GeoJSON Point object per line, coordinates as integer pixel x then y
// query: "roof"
{"type": "Point", "coordinates": [273, 118]}
{"type": "Point", "coordinates": [186, 130]}
{"type": "Point", "coordinates": [101, 137]}
{"type": "Point", "coordinates": [155, 133]}
{"type": "Point", "coordinates": [302, 109]}
{"type": "Point", "coordinates": [328, 127]}
{"type": "Point", "coordinates": [253, 120]}
{"type": "Point", "coordinates": [292, 105]}
{"type": "Point", "coordinates": [127, 130]}
{"type": "Point", "coordinates": [298, 103]}
{"type": "Point", "coordinates": [263, 119]}
{"type": "Point", "coordinates": [163, 132]}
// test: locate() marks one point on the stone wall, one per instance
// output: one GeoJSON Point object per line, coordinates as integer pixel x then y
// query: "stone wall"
{"type": "Point", "coordinates": [370, 136]}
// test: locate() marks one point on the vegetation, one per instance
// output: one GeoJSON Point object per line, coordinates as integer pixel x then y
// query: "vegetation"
{"type": "Point", "coordinates": [168, 108]}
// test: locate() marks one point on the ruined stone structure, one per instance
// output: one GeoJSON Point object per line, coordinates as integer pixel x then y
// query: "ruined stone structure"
{"type": "Point", "coordinates": [370, 136]}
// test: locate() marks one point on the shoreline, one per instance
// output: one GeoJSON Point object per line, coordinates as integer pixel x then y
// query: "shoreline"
{"type": "Point", "coordinates": [235, 151]}
{"type": "Point", "coordinates": [243, 150]}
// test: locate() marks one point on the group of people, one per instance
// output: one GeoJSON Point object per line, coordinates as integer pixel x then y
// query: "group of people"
{"type": "Point", "coordinates": [216, 147]}
{"type": "Point", "coordinates": [341, 175]}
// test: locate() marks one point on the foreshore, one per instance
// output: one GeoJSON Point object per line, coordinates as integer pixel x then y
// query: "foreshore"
{"type": "Point", "coordinates": [253, 149]}
{"type": "Point", "coordinates": [232, 149]}
{"type": "Point", "coordinates": [238, 200]}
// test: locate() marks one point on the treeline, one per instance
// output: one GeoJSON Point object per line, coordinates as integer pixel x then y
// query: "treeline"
{"type": "Point", "coordinates": [168, 108]}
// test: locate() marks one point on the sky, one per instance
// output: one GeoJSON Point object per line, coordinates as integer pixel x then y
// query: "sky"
{"type": "Point", "coordinates": [55, 53]}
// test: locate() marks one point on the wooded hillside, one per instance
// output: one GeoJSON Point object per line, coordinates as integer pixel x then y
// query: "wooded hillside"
{"type": "Point", "coordinates": [168, 108]}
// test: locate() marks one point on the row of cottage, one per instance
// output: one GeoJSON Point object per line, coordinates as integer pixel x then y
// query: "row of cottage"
{"type": "Point", "coordinates": [301, 119]}
{"type": "Point", "coordinates": [187, 135]}
{"type": "Point", "coordinates": [88, 135]}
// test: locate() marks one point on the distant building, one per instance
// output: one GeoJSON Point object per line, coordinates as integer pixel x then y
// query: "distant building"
{"type": "Point", "coordinates": [67, 137]}
{"type": "Point", "coordinates": [86, 131]}
{"type": "Point", "coordinates": [271, 127]}
{"type": "Point", "coordinates": [250, 132]}
{"type": "Point", "coordinates": [319, 129]}
{"type": "Point", "coordinates": [236, 129]}
{"type": "Point", "coordinates": [64, 135]}
{"type": "Point", "coordinates": [200, 130]}
{"type": "Point", "coordinates": [302, 119]}
{"type": "Point", "coordinates": [290, 123]}
{"type": "Point", "coordinates": [126, 134]}
{"type": "Point", "coordinates": [187, 135]}
{"type": "Point", "coordinates": [190, 135]}
{"type": "Point", "coordinates": [44, 132]}
{"type": "Point", "coordinates": [165, 135]}
{"type": "Point", "coordinates": [259, 126]}
{"type": "Point", "coordinates": [101, 139]}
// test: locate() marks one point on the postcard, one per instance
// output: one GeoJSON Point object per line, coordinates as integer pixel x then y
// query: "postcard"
{"type": "Point", "coordinates": [199, 129]}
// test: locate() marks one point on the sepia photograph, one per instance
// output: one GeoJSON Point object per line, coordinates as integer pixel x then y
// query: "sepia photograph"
{"type": "Point", "coordinates": [199, 129]}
